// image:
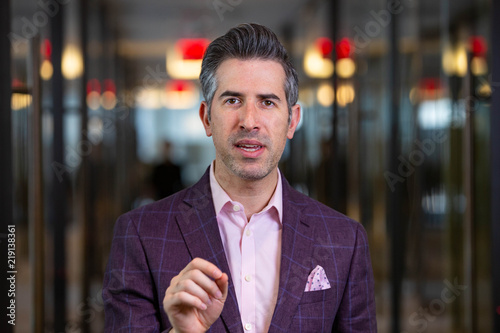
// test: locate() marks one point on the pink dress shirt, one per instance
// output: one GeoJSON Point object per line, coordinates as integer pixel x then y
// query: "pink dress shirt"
{"type": "Point", "coordinates": [253, 251]}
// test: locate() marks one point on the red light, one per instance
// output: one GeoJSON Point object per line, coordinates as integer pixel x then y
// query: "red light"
{"type": "Point", "coordinates": [46, 49]}
{"type": "Point", "coordinates": [178, 86]}
{"type": "Point", "coordinates": [343, 48]}
{"type": "Point", "coordinates": [109, 85]}
{"type": "Point", "coordinates": [430, 84]}
{"type": "Point", "coordinates": [16, 83]}
{"type": "Point", "coordinates": [93, 85]}
{"type": "Point", "coordinates": [325, 46]}
{"type": "Point", "coordinates": [192, 49]}
{"type": "Point", "coordinates": [478, 45]}
{"type": "Point", "coordinates": [498, 310]}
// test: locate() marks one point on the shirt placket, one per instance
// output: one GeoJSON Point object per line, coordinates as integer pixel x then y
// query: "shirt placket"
{"type": "Point", "coordinates": [248, 278]}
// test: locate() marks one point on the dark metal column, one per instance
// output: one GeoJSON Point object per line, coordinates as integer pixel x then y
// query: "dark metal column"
{"type": "Point", "coordinates": [6, 202]}
{"type": "Point", "coordinates": [395, 220]}
{"type": "Point", "coordinates": [495, 162]}
{"type": "Point", "coordinates": [469, 228]}
{"type": "Point", "coordinates": [87, 240]}
{"type": "Point", "coordinates": [59, 182]}
{"type": "Point", "coordinates": [36, 196]}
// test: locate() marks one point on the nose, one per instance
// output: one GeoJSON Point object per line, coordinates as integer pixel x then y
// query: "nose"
{"type": "Point", "coordinates": [249, 117]}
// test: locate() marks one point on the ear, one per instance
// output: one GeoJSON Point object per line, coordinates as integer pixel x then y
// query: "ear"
{"type": "Point", "coordinates": [296, 113]}
{"type": "Point", "coordinates": [204, 118]}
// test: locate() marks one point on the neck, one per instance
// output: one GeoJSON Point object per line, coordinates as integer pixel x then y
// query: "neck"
{"type": "Point", "coordinates": [254, 195]}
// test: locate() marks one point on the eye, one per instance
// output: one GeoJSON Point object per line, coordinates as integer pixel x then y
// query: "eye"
{"type": "Point", "coordinates": [268, 103]}
{"type": "Point", "coordinates": [232, 101]}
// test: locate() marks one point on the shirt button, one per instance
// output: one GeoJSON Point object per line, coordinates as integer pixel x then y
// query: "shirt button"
{"type": "Point", "coordinates": [248, 278]}
{"type": "Point", "coordinates": [236, 208]}
{"type": "Point", "coordinates": [248, 232]}
{"type": "Point", "coordinates": [248, 327]}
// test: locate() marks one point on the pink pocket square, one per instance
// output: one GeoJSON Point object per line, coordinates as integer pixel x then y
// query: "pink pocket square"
{"type": "Point", "coordinates": [317, 280]}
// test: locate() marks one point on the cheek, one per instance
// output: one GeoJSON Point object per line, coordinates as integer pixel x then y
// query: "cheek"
{"type": "Point", "coordinates": [220, 134]}
{"type": "Point", "coordinates": [280, 137]}
{"type": "Point", "coordinates": [282, 128]}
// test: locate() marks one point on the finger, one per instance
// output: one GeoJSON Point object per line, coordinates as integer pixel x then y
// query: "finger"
{"type": "Point", "coordinates": [191, 287]}
{"type": "Point", "coordinates": [203, 281]}
{"type": "Point", "coordinates": [204, 266]}
{"type": "Point", "coordinates": [208, 272]}
{"type": "Point", "coordinates": [223, 284]}
{"type": "Point", "coordinates": [183, 299]}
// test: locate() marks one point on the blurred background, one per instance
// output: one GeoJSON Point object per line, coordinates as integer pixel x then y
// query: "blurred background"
{"type": "Point", "coordinates": [100, 100]}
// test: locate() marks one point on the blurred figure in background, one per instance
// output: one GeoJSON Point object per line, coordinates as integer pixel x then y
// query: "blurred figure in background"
{"type": "Point", "coordinates": [166, 177]}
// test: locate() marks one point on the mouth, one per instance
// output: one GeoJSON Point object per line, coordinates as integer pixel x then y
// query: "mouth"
{"type": "Point", "coordinates": [249, 148]}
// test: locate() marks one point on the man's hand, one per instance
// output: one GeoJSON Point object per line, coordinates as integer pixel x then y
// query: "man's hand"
{"type": "Point", "coordinates": [195, 298]}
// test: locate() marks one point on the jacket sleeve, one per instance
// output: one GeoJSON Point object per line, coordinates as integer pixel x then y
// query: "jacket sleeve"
{"type": "Point", "coordinates": [129, 295]}
{"type": "Point", "coordinates": [357, 308]}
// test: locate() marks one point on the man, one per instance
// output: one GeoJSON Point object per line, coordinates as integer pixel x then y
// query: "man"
{"type": "Point", "coordinates": [241, 250]}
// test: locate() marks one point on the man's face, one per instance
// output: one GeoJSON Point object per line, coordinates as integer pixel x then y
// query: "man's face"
{"type": "Point", "coordinates": [249, 118]}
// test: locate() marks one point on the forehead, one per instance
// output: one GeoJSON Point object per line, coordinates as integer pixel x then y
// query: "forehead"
{"type": "Point", "coordinates": [251, 75]}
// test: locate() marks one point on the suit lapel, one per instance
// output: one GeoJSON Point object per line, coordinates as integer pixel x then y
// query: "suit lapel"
{"type": "Point", "coordinates": [198, 225]}
{"type": "Point", "coordinates": [296, 252]}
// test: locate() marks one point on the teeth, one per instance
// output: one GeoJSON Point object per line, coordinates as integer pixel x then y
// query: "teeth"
{"type": "Point", "coordinates": [249, 147]}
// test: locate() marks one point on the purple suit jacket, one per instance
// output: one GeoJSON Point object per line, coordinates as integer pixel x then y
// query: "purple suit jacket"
{"type": "Point", "coordinates": [153, 243]}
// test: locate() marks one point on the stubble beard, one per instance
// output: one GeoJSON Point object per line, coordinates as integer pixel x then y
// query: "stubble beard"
{"type": "Point", "coordinates": [252, 175]}
{"type": "Point", "coordinates": [238, 166]}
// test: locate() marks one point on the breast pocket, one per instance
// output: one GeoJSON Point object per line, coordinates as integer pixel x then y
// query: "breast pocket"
{"type": "Point", "coordinates": [317, 296]}
{"type": "Point", "coordinates": [316, 312]}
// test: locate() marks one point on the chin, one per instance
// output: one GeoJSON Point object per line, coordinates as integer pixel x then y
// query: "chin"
{"type": "Point", "coordinates": [256, 173]}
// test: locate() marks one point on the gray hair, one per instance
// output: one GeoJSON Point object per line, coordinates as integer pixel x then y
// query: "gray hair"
{"type": "Point", "coordinates": [247, 41]}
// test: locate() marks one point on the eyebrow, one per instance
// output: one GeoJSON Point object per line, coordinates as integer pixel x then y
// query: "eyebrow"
{"type": "Point", "coordinates": [229, 93]}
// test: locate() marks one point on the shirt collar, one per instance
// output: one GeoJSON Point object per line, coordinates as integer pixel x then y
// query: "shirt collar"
{"type": "Point", "coordinates": [221, 198]}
